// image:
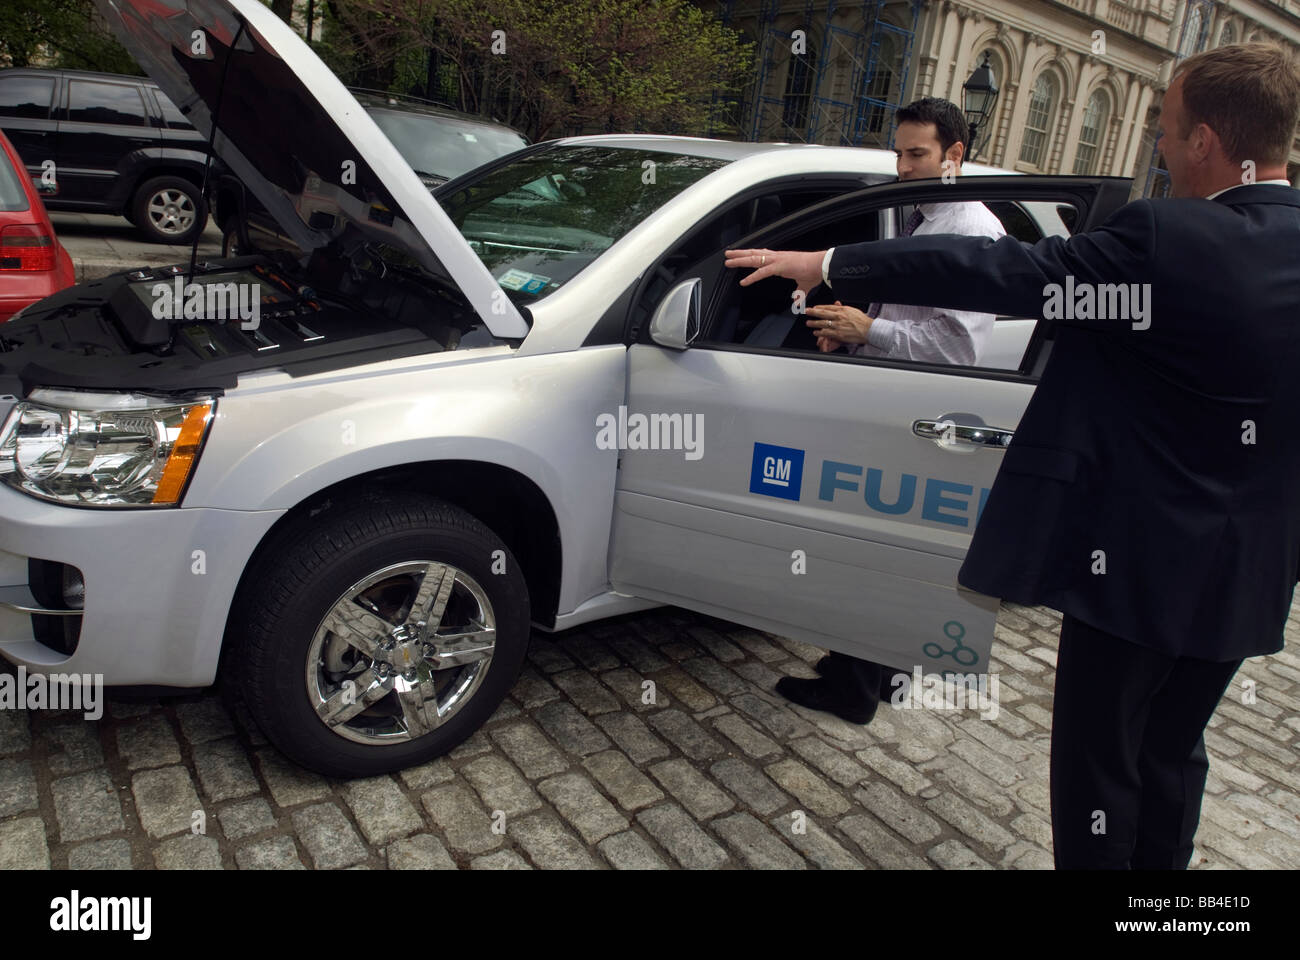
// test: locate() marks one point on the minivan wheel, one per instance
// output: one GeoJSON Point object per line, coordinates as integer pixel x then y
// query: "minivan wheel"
{"type": "Point", "coordinates": [169, 210]}
{"type": "Point", "coordinates": [381, 635]}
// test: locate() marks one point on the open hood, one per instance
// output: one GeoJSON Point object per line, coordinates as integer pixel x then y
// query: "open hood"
{"type": "Point", "coordinates": [297, 138]}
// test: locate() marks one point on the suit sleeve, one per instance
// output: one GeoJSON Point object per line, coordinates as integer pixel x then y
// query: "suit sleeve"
{"type": "Point", "coordinates": [1005, 276]}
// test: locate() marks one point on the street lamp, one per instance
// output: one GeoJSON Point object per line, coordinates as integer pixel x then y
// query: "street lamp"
{"type": "Point", "coordinates": [978, 94]}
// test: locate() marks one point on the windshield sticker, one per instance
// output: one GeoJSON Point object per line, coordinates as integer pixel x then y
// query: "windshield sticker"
{"type": "Point", "coordinates": [523, 281]}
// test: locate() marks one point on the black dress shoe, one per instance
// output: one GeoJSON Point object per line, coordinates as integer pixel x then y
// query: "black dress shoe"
{"type": "Point", "coordinates": [818, 695]}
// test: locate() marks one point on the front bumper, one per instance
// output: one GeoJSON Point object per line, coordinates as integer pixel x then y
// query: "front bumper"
{"type": "Point", "coordinates": [158, 586]}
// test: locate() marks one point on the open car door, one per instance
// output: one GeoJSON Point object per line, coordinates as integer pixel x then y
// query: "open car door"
{"type": "Point", "coordinates": [828, 498]}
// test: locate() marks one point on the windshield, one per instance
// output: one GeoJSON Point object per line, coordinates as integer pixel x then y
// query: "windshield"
{"type": "Point", "coordinates": [536, 222]}
{"type": "Point", "coordinates": [444, 146]}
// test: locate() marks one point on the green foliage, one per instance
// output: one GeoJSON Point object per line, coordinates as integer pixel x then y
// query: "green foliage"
{"type": "Point", "coordinates": [59, 33]}
{"type": "Point", "coordinates": [608, 65]}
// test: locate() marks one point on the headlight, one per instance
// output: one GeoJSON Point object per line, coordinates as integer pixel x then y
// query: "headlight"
{"type": "Point", "coordinates": [103, 449]}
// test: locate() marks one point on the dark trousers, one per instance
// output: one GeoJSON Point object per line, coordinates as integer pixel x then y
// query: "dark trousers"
{"type": "Point", "coordinates": [860, 681]}
{"type": "Point", "coordinates": [1128, 745]}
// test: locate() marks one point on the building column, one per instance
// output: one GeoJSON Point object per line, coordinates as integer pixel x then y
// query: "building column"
{"type": "Point", "coordinates": [1126, 115]}
{"type": "Point", "coordinates": [1067, 145]}
{"type": "Point", "coordinates": [961, 67]}
{"type": "Point", "coordinates": [955, 16]}
{"type": "Point", "coordinates": [1139, 127]}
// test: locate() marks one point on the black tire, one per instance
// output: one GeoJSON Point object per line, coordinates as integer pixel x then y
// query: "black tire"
{"type": "Point", "coordinates": [169, 210]}
{"type": "Point", "coordinates": [314, 564]}
{"type": "Point", "coordinates": [230, 246]}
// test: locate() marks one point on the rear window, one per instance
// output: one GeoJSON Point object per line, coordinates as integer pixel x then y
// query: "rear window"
{"type": "Point", "coordinates": [92, 102]}
{"type": "Point", "coordinates": [13, 196]}
{"type": "Point", "coordinates": [26, 97]}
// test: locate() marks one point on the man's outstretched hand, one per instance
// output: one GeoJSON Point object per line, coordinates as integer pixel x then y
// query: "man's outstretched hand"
{"type": "Point", "coordinates": [804, 268]}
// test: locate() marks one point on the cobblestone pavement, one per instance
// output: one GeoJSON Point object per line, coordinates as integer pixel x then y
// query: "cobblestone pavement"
{"type": "Point", "coordinates": [582, 774]}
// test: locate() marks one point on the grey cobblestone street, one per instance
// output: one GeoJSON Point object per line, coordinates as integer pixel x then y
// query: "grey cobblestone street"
{"type": "Point", "coordinates": [575, 771]}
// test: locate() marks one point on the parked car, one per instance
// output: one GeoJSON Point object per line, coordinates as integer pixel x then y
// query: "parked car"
{"type": "Point", "coordinates": [540, 399]}
{"type": "Point", "coordinates": [108, 143]}
{"type": "Point", "coordinates": [438, 143]}
{"type": "Point", "coordinates": [33, 264]}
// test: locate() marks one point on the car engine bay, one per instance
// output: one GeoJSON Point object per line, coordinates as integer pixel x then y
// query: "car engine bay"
{"type": "Point", "coordinates": [167, 329]}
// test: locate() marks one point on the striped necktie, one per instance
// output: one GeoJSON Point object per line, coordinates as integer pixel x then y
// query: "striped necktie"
{"type": "Point", "coordinates": [912, 223]}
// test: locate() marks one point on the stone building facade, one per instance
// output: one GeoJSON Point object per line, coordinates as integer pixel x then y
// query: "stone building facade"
{"type": "Point", "coordinates": [1079, 80]}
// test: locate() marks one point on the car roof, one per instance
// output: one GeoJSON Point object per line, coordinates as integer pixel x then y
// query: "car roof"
{"type": "Point", "coordinates": [810, 156]}
{"type": "Point", "coordinates": [69, 72]}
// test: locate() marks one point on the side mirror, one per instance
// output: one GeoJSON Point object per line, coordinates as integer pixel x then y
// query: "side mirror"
{"type": "Point", "coordinates": [676, 321]}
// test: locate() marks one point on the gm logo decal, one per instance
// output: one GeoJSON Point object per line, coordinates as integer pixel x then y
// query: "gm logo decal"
{"type": "Point", "coordinates": [776, 471]}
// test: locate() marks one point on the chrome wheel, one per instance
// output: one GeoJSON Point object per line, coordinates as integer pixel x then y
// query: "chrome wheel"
{"type": "Point", "coordinates": [400, 652]}
{"type": "Point", "coordinates": [170, 211]}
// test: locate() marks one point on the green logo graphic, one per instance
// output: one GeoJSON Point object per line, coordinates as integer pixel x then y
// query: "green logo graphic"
{"type": "Point", "coordinates": [961, 653]}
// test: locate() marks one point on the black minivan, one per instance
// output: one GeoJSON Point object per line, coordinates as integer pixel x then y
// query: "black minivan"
{"type": "Point", "coordinates": [107, 143]}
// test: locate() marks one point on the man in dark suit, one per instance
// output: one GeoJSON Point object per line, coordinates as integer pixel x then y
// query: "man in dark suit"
{"type": "Point", "coordinates": [1152, 490]}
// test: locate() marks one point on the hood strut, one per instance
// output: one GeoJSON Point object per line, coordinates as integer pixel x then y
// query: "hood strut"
{"type": "Point", "coordinates": [212, 136]}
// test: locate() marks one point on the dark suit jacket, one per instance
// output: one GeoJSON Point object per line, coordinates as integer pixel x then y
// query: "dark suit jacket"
{"type": "Point", "coordinates": [1133, 441]}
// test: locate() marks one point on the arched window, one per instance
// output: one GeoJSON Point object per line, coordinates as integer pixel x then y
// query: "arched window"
{"type": "Point", "coordinates": [1227, 36]}
{"type": "Point", "coordinates": [799, 81]}
{"type": "Point", "coordinates": [1191, 33]}
{"type": "Point", "coordinates": [1042, 105]}
{"type": "Point", "coordinates": [1090, 135]}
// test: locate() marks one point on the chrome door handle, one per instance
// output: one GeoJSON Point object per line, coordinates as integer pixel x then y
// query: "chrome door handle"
{"type": "Point", "coordinates": [948, 433]}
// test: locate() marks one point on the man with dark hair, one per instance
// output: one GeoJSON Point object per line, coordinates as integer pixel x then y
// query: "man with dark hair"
{"type": "Point", "coordinates": [930, 140]}
{"type": "Point", "coordinates": [1150, 492]}
{"type": "Point", "coordinates": [950, 126]}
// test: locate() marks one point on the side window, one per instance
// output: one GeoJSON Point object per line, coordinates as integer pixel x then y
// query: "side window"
{"type": "Point", "coordinates": [700, 252]}
{"type": "Point", "coordinates": [1015, 221]}
{"type": "Point", "coordinates": [90, 101]}
{"type": "Point", "coordinates": [171, 114]}
{"type": "Point", "coordinates": [760, 316]}
{"type": "Point", "coordinates": [27, 97]}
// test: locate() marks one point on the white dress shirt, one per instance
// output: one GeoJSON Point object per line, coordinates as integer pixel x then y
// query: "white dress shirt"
{"type": "Point", "coordinates": [1257, 183]}
{"type": "Point", "coordinates": [925, 333]}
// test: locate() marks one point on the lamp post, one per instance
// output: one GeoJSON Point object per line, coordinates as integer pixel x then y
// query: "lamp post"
{"type": "Point", "coordinates": [978, 94]}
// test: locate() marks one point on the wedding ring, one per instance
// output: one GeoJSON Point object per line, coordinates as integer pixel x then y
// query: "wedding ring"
{"type": "Point", "coordinates": [763, 263]}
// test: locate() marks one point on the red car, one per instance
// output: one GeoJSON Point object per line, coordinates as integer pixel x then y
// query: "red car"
{"type": "Point", "coordinates": [33, 264]}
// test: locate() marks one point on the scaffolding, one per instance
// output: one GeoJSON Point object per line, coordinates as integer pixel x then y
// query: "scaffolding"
{"type": "Point", "coordinates": [1157, 184]}
{"type": "Point", "coordinates": [822, 117]}
{"type": "Point", "coordinates": [865, 114]}
{"type": "Point", "coordinates": [769, 37]}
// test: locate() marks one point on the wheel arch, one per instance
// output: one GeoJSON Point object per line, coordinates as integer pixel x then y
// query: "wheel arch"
{"type": "Point", "coordinates": [509, 503]}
